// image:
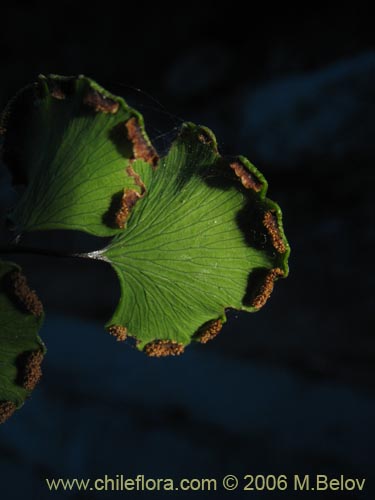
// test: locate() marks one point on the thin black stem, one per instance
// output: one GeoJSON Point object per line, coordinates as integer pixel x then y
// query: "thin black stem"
{"type": "Point", "coordinates": [15, 249]}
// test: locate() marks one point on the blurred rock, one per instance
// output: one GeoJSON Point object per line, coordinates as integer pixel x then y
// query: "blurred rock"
{"type": "Point", "coordinates": [322, 116]}
{"type": "Point", "coordinates": [200, 414]}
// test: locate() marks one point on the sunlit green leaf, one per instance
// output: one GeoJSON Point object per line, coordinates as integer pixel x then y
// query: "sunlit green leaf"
{"type": "Point", "coordinates": [203, 239]}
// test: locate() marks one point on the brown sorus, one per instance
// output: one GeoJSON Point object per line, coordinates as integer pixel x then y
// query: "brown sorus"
{"type": "Point", "coordinates": [248, 180]}
{"type": "Point", "coordinates": [25, 295]}
{"type": "Point", "coordinates": [142, 149]}
{"type": "Point", "coordinates": [210, 332]}
{"type": "Point", "coordinates": [118, 331]}
{"type": "Point", "coordinates": [32, 370]}
{"type": "Point", "coordinates": [128, 200]}
{"type": "Point", "coordinates": [271, 224]}
{"type": "Point", "coordinates": [99, 102]}
{"type": "Point", "coordinates": [266, 289]}
{"type": "Point", "coordinates": [159, 348]}
{"type": "Point", "coordinates": [7, 408]}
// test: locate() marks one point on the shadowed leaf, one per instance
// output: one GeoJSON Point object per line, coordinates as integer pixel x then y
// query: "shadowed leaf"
{"type": "Point", "coordinates": [21, 349]}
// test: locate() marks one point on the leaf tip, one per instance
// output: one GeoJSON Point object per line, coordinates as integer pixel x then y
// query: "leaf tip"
{"type": "Point", "coordinates": [203, 134]}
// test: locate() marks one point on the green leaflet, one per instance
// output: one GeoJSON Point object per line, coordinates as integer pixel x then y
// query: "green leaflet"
{"type": "Point", "coordinates": [69, 141]}
{"type": "Point", "coordinates": [203, 239]}
{"type": "Point", "coordinates": [21, 349]}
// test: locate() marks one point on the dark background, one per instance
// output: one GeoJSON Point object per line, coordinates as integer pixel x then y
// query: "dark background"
{"type": "Point", "coordinates": [287, 390]}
